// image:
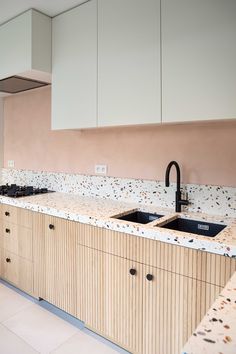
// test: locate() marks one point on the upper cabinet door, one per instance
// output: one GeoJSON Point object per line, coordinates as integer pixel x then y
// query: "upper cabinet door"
{"type": "Point", "coordinates": [199, 56]}
{"type": "Point", "coordinates": [128, 62]}
{"type": "Point", "coordinates": [74, 68]}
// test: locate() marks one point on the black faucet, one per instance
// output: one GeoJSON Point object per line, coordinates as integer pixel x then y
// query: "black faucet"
{"type": "Point", "coordinates": [178, 200]}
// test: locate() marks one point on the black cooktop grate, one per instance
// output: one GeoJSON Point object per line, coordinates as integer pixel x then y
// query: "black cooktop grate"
{"type": "Point", "coordinates": [15, 191]}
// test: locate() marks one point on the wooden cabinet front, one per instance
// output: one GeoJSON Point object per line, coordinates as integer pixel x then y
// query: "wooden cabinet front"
{"type": "Point", "coordinates": [109, 298]}
{"type": "Point", "coordinates": [17, 270]}
{"type": "Point", "coordinates": [54, 261]}
{"type": "Point", "coordinates": [155, 310]}
{"type": "Point", "coordinates": [144, 295]}
{"type": "Point", "coordinates": [16, 247]}
{"type": "Point", "coordinates": [173, 305]}
{"type": "Point", "coordinates": [17, 239]}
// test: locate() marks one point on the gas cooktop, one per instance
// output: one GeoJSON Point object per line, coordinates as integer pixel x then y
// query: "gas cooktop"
{"type": "Point", "coordinates": [15, 191]}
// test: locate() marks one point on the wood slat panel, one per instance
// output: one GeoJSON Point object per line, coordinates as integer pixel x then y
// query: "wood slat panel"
{"type": "Point", "coordinates": [173, 305]}
{"type": "Point", "coordinates": [124, 307]}
{"type": "Point", "coordinates": [109, 298]}
{"type": "Point", "coordinates": [91, 269]}
{"type": "Point", "coordinates": [204, 266]}
{"type": "Point", "coordinates": [39, 255]}
{"type": "Point", "coordinates": [55, 261]}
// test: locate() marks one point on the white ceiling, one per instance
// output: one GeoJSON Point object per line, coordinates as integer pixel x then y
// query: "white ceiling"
{"type": "Point", "coordinates": [12, 8]}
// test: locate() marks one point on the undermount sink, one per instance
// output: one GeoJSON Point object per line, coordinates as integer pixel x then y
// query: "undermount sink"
{"type": "Point", "coordinates": [139, 217]}
{"type": "Point", "coordinates": [195, 227]}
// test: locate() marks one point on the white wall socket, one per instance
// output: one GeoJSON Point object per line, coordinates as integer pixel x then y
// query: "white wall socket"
{"type": "Point", "coordinates": [101, 169]}
{"type": "Point", "coordinates": [11, 163]}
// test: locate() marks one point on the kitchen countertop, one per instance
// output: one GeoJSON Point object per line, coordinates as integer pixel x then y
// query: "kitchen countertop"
{"type": "Point", "coordinates": [216, 334]}
{"type": "Point", "coordinates": [99, 212]}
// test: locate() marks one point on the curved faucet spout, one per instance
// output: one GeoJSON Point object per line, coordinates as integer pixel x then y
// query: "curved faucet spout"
{"type": "Point", "coordinates": [173, 163]}
{"type": "Point", "coordinates": [178, 200]}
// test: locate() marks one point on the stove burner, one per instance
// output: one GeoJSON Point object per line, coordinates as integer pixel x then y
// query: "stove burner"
{"type": "Point", "coordinates": [16, 191]}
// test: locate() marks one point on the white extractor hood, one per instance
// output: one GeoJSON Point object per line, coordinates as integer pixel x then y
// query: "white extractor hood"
{"type": "Point", "coordinates": [25, 60]}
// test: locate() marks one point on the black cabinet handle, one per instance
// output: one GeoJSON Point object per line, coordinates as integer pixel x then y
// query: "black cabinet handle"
{"type": "Point", "coordinates": [149, 277]}
{"type": "Point", "coordinates": [7, 213]}
{"type": "Point", "coordinates": [8, 260]}
{"type": "Point", "coordinates": [8, 231]}
{"type": "Point", "coordinates": [51, 226]}
{"type": "Point", "coordinates": [132, 271]}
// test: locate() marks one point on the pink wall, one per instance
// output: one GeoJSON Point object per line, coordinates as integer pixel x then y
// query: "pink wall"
{"type": "Point", "coordinates": [205, 151]}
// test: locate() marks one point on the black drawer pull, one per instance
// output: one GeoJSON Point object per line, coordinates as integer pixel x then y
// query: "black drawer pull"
{"type": "Point", "coordinates": [7, 213]}
{"type": "Point", "coordinates": [149, 277]}
{"type": "Point", "coordinates": [132, 271]}
{"type": "Point", "coordinates": [8, 260]}
{"type": "Point", "coordinates": [51, 226]}
{"type": "Point", "coordinates": [8, 231]}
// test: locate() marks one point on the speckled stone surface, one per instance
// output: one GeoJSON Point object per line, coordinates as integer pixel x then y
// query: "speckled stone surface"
{"type": "Point", "coordinates": [216, 334]}
{"type": "Point", "coordinates": [215, 200]}
{"type": "Point", "coordinates": [100, 212]}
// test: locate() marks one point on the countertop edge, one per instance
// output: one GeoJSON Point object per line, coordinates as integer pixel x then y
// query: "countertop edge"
{"type": "Point", "coordinates": [216, 246]}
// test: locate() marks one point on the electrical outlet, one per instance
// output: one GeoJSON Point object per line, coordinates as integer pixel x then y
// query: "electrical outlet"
{"type": "Point", "coordinates": [101, 169]}
{"type": "Point", "coordinates": [11, 163]}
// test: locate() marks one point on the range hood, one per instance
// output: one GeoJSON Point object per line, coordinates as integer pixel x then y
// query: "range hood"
{"type": "Point", "coordinates": [25, 60]}
{"type": "Point", "coordinates": [16, 84]}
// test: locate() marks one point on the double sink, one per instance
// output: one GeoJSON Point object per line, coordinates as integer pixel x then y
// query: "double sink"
{"type": "Point", "coordinates": [202, 228]}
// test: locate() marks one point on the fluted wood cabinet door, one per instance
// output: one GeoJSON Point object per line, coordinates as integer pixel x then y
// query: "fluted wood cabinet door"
{"type": "Point", "coordinates": [91, 268]}
{"type": "Point", "coordinates": [124, 302]}
{"type": "Point", "coordinates": [173, 305]}
{"type": "Point", "coordinates": [55, 261]}
{"type": "Point", "coordinates": [109, 298]}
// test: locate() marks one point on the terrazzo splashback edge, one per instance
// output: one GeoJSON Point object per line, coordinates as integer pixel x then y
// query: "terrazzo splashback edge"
{"type": "Point", "coordinates": [217, 200]}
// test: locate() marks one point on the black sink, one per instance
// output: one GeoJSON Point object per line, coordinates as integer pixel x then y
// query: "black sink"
{"type": "Point", "coordinates": [195, 227]}
{"type": "Point", "coordinates": [139, 217]}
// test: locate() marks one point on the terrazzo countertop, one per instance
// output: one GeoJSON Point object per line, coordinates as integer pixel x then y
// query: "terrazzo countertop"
{"type": "Point", "coordinates": [99, 212]}
{"type": "Point", "coordinates": [216, 334]}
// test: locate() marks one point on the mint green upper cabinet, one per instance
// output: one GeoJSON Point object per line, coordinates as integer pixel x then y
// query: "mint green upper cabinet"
{"type": "Point", "coordinates": [128, 62]}
{"type": "Point", "coordinates": [25, 43]}
{"type": "Point", "coordinates": [74, 68]}
{"type": "Point", "coordinates": [199, 59]}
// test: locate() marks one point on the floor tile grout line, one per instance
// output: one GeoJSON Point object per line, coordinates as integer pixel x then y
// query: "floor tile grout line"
{"type": "Point", "coordinates": [47, 307]}
{"type": "Point", "coordinates": [18, 291]}
{"type": "Point", "coordinates": [104, 340]}
{"type": "Point", "coordinates": [47, 311]}
{"type": "Point", "coordinates": [22, 339]}
{"type": "Point", "coordinates": [75, 334]}
{"type": "Point", "coordinates": [16, 313]}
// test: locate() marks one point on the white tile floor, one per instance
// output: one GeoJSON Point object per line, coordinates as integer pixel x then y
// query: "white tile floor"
{"type": "Point", "coordinates": [28, 327]}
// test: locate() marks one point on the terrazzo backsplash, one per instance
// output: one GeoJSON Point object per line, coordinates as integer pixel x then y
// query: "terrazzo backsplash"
{"type": "Point", "coordinates": [209, 199]}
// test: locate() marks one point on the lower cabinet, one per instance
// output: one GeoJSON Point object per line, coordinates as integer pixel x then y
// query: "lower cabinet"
{"type": "Point", "coordinates": [143, 309]}
{"type": "Point", "coordinates": [109, 297]}
{"type": "Point", "coordinates": [55, 261]}
{"type": "Point", "coordinates": [16, 251]}
{"type": "Point", "coordinates": [173, 305]}
{"type": "Point", "coordinates": [17, 270]}
{"type": "Point", "coordinates": [144, 295]}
